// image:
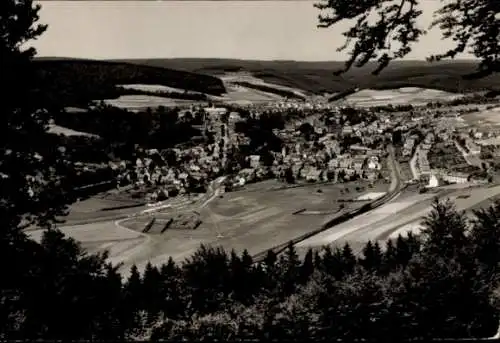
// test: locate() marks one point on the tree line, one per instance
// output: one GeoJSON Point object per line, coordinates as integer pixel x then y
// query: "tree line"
{"type": "Point", "coordinates": [76, 82]}
{"type": "Point", "coordinates": [442, 283]}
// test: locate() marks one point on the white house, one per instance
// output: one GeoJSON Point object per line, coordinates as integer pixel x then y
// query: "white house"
{"type": "Point", "coordinates": [215, 110]}
{"type": "Point", "coordinates": [433, 181]}
{"type": "Point", "coordinates": [254, 161]}
{"type": "Point", "coordinates": [455, 178]}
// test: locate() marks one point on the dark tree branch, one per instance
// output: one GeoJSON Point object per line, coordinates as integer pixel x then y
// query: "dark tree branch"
{"type": "Point", "coordinates": [385, 30]}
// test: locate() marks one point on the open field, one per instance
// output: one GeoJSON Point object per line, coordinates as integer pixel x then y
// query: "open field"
{"type": "Point", "coordinates": [400, 96]}
{"type": "Point", "coordinates": [61, 130]}
{"type": "Point", "coordinates": [73, 81]}
{"type": "Point", "coordinates": [155, 88]}
{"type": "Point", "coordinates": [93, 209]}
{"type": "Point", "coordinates": [246, 219]}
{"type": "Point", "coordinates": [396, 217]}
{"type": "Point", "coordinates": [138, 102]}
{"type": "Point", "coordinates": [317, 77]}
{"type": "Point", "coordinates": [231, 78]}
{"type": "Point", "coordinates": [97, 203]}
{"type": "Point", "coordinates": [97, 79]}
{"type": "Point", "coordinates": [107, 207]}
{"type": "Point", "coordinates": [490, 141]}
{"type": "Point", "coordinates": [491, 117]}
{"type": "Point", "coordinates": [97, 237]}
{"type": "Point", "coordinates": [244, 95]}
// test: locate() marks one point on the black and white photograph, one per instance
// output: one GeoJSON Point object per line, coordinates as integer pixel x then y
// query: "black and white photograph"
{"type": "Point", "coordinates": [250, 170]}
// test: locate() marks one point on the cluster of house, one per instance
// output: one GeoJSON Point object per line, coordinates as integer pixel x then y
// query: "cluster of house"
{"type": "Point", "coordinates": [193, 168]}
{"type": "Point", "coordinates": [408, 146]}
{"type": "Point", "coordinates": [326, 157]}
{"type": "Point", "coordinates": [419, 162]}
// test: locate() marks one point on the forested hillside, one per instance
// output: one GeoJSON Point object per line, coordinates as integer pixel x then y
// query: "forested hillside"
{"type": "Point", "coordinates": [76, 82]}
{"type": "Point", "coordinates": [318, 77]}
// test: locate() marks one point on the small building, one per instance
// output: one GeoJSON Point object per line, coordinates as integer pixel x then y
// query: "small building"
{"type": "Point", "coordinates": [313, 174]}
{"type": "Point", "coordinates": [455, 178]}
{"type": "Point", "coordinates": [234, 117]}
{"type": "Point", "coordinates": [433, 181]}
{"type": "Point", "coordinates": [372, 164]}
{"type": "Point", "coordinates": [254, 161]}
{"type": "Point", "coordinates": [217, 111]}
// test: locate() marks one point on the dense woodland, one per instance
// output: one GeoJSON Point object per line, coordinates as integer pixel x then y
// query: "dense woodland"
{"type": "Point", "coordinates": [76, 82]}
{"type": "Point", "coordinates": [442, 284]}
{"type": "Point", "coordinates": [158, 128]}
{"type": "Point", "coordinates": [317, 77]}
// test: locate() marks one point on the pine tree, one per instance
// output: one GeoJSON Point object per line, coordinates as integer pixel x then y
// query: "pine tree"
{"type": "Point", "coordinates": [485, 237]}
{"type": "Point", "coordinates": [289, 270]}
{"type": "Point", "coordinates": [151, 291]}
{"type": "Point", "coordinates": [333, 263]}
{"type": "Point", "coordinates": [372, 257]}
{"type": "Point", "coordinates": [69, 282]}
{"type": "Point", "coordinates": [245, 278]}
{"type": "Point", "coordinates": [403, 251]}
{"type": "Point", "coordinates": [53, 282]}
{"type": "Point", "coordinates": [173, 302]}
{"type": "Point", "coordinates": [207, 277]}
{"type": "Point", "coordinates": [307, 267]}
{"type": "Point", "coordinates": [348, 259]}
{"type": "Point", "coordinates": [109, 323]}
{"type": "Point", "coordinates": [28, 185]}
{"type": "Point", "coordinates": [318, 261]}
{"type": "Point", "coordinates": [237, 278]}
{"type": "Point", "coordinates": [368, 254]}
{"type": "Point", "coordinates": [270, 270]}
{"type": "Point", "coordinates": [246, 259]}
{"type": "Point", "coordinates": [444, 231]}
{"type": "Point", "coordinates": [33, 172]}
{"type": "Point", "coordinates": [414, 243]}
{"type": "Point", "coordinates": [389, 257]}
{"type": "Point", "coordinates": [133, 297]}
{"type": "Point", "coordinates": [454, 301]}
{"type": "Point", "coordinates": [328, 262]}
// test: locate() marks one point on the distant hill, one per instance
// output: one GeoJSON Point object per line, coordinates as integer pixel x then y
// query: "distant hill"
{"type": "Point", "coordinates": [76, 81]}
{"type": "Point", "coordinates": [317, 77]}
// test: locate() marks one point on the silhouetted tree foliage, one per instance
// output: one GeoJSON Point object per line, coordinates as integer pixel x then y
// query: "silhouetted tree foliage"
{"type": "Point", "coordinates": [307, 130]}
{"type": "Point", "coordinates": [384, 31]}
{"type": "Point", "coordinates": [442, 283]}
{"type": "Point", "coordinates": [260, 132]}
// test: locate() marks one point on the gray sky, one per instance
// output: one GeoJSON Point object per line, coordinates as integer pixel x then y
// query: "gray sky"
{"type": "Point", "coordinates": [227, 29]}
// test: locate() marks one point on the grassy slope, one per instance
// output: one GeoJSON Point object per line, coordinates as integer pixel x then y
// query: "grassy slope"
{"type": "Point", "coordinates": [318, 76]}
{"type": "Point", "coordinates": [73, 81]}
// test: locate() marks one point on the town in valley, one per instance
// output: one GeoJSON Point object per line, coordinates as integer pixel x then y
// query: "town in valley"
{"type": "Point", "coordinates": [263, 164]}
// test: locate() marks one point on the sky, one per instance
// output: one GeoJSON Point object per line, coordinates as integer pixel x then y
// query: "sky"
{"type": "Point", "coordinates": [260, 30]}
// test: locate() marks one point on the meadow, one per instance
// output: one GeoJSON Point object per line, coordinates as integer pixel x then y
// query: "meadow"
{"type": "Point", "coordinates": [256, 219]}
{"type": "Point", "coordinates": [75, 81]}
